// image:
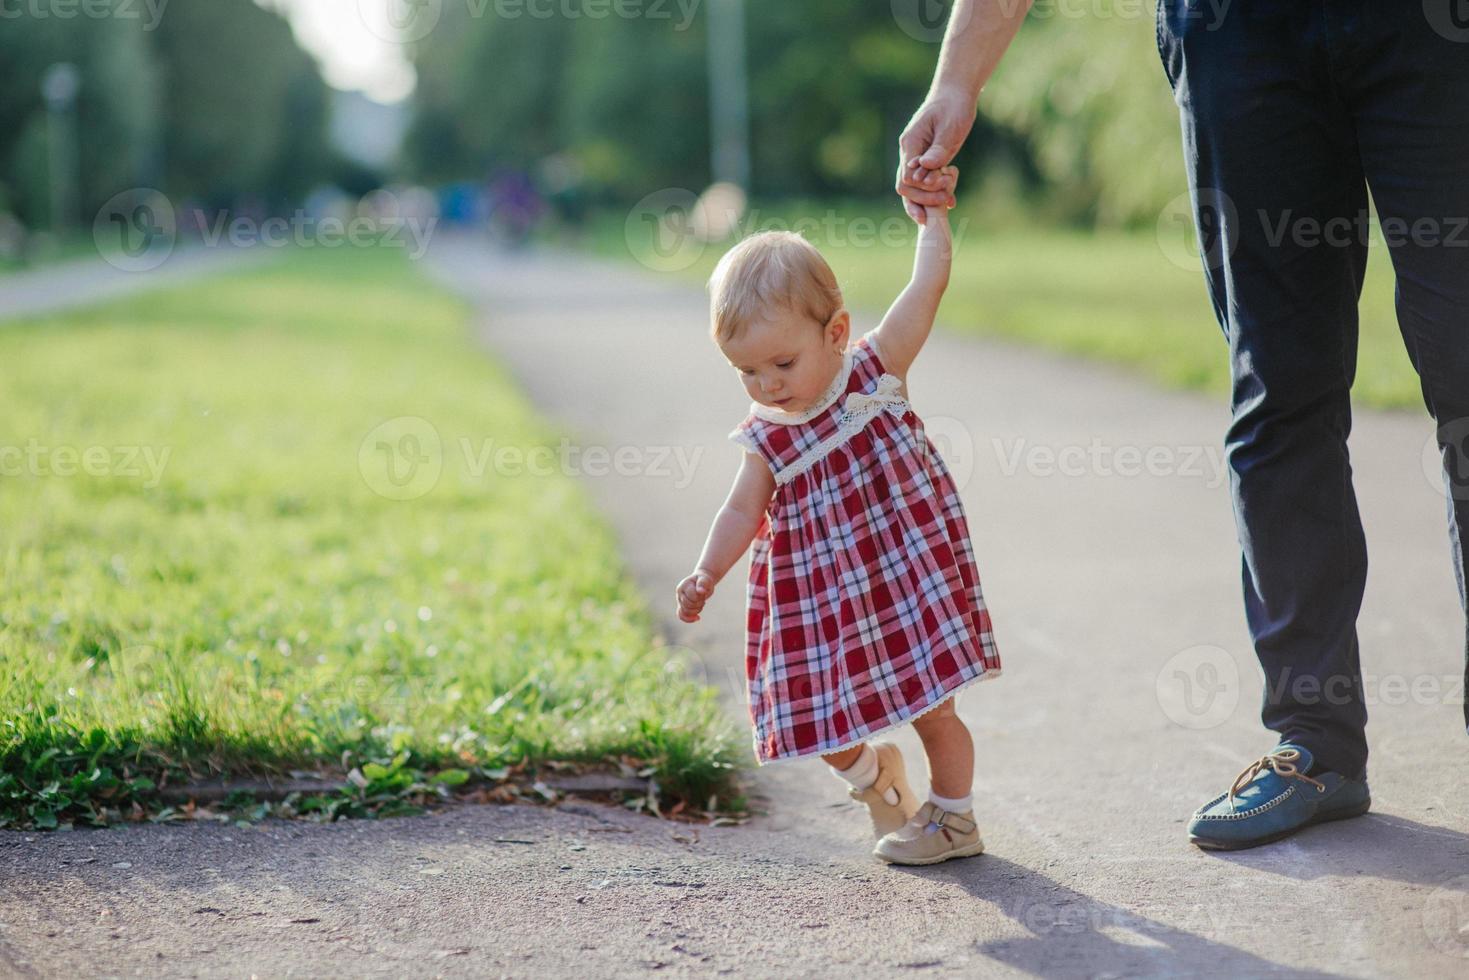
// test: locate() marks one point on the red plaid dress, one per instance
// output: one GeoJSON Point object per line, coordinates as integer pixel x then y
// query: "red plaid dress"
{"type": "Point", "coordinates": [863, 601]}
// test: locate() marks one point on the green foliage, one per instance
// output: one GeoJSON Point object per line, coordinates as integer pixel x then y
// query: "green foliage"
{"type": "Point", "coordinates": [254, 605]}
{"type": "Point", "coordinates": [75, 783]}
{"type": "Point", "coordinates": [832, 84]}
{"type": "Point", "coordinates": [213, 101]}
{"type": "Point", "coordinates": [626, 100]}
{"type": "Point", "coordinates": [1089, 95]}
{"type": "Point", "coordinates": [117, 108]}
{"type": "Point", "coordinates": [635, 104]}
{"type": "Point", "coordinates": [243, 104]}
{"type": "Point", "coordinates": [1077, 122]}
{"type": "Point", "coordinates": [490, 92]}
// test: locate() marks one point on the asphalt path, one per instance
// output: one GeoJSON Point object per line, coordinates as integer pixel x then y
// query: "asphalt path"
{"type": "Point", "coordinates": [1103, 532]}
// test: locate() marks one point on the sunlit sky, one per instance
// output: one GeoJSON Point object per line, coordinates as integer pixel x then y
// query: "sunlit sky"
{"type": "Point", "coordinates": [351, 55]}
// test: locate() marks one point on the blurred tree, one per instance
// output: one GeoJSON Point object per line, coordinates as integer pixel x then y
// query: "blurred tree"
{"type": "Point", "coordinates": [833, 84]}
{"type": "Point", "coordinates": [1078, 117]}
{"type": "Point", "coordinates": [490, 91]}
{"type": "Point", "coordinates": [117, 109]}
{"type": "Point", "coordinates": [214, 102]}
{"type": "Point", "coordinates": [302, 157]}
{"type": "Point", "coordinates": [628, 99]}
{"type": "Point", "coordinates": [635, 111]}
{"type": "Point", "coordinates": [1089, 95]}
{"type": "Point", "coordinates": [244, 108]}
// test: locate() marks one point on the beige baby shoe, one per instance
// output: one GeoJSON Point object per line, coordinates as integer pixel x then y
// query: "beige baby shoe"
{"type": "Point", "coordinates": [887, 817]}
{"type": "Point", "coordinates": [931, 836]}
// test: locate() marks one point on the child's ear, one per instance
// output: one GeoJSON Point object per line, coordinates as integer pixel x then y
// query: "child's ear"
{"type": "Point", "coordinates": [838, 327]}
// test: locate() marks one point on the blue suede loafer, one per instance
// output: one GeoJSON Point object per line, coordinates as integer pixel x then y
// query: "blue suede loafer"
{"type": "Point", "coordinates": [1273, 798]}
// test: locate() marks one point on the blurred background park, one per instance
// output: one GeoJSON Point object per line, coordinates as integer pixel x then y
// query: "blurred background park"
{"type": "Point", "coordinates": [597, 124]}
{"type": "Point", "coordinates": [256, 106]}
{"type": "Point", "coordinates": [238, 596]}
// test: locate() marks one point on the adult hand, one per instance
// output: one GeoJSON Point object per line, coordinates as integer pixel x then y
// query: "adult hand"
{"type": "Point", "coordinates": [931, 139]}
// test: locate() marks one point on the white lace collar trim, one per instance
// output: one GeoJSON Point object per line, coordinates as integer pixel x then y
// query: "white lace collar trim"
{"type": "Point", "coordinates": [833, 391]}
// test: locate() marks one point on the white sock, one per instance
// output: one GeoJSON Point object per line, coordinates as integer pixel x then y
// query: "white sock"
{"type": "Point", "coordinates": [863, 773]}
{"type": "Point", "coordinates": [956, 805]}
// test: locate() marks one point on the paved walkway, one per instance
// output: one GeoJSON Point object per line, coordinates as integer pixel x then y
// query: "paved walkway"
{"type": "Point", "coordinates": [1110, 589]}
{"type": "Point", "coordinates": [80, 282]}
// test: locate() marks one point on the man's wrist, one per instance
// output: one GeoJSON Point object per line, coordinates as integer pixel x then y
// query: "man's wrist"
{"type": "Point", "coordinates": [959, 93]}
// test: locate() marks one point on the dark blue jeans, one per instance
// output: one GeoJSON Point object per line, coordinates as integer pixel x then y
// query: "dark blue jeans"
{"type": "Point", "coordinates": [1291, 110]}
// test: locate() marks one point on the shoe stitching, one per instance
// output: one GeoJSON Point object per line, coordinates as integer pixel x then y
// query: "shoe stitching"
{"type": "Point", "coordinates": [1241, 814]}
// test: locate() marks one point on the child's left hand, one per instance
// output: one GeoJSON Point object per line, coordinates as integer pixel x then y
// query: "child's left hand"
{"type": "Point", "coordinates": [692, 593]}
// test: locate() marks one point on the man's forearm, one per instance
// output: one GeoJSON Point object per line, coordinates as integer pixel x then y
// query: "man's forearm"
{"type": "Point", "coordinates": [978, 35]}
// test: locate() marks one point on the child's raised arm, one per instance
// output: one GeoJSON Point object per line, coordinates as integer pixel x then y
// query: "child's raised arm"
{"type": "Point", "coordinates": [906, 326]}
{"type": "Point", "coordinates": [734, 528]}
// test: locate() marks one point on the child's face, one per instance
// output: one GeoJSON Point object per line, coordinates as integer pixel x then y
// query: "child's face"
{"type": "Point", "coordinates": [787, 361]}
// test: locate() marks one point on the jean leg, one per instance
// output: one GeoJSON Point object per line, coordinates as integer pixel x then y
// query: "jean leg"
{"type": "Point", "coordinates": [1272, 161]}
{"type": "Point", "coordinates": [1407, 78]}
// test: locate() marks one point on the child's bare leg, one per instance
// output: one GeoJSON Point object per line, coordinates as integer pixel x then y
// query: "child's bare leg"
{"type": "Point", "coordinates": [844, 758]}
{"type": "Point", "coordinates": [950, 750]}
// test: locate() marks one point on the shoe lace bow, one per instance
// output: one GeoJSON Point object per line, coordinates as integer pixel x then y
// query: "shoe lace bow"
{"type": "Point", "coordinates": [1282, 762]}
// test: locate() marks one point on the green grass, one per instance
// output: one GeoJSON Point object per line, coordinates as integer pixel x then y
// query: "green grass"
{"type": "Point", "coordinates": [1116, 297]}
{"type": "Point", "coordinates": [251, 604]}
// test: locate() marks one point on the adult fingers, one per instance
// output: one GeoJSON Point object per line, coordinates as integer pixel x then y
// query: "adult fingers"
{"type": "Point", "coordinates": [915, 137]}
{"type": "Point", "coordinates": [905, 174]}
{"type": "Point", "coordinates": [936, 157]}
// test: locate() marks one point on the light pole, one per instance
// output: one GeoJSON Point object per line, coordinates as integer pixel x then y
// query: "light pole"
{"type": "Point", "coordinates": [59, 86]}
{"type": "Point", "coordinates": [729, 111]}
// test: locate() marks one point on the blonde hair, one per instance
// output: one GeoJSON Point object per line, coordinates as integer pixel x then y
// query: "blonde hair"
{"type": "Point", "coordinates": [769, 271]}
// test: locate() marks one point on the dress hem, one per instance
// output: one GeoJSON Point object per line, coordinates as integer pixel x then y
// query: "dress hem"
{"type": "Point", "coordinates": [986, 675]}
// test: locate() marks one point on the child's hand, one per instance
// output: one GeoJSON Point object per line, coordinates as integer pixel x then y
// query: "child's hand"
{"type": "Point", "coordinates": [946, 179]}
{"type": "Point", "coordinates": [692, 593]}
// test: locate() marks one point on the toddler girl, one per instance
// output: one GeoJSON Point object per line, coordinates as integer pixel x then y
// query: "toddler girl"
{"type": "Point", "coordinates": [864, 607]}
